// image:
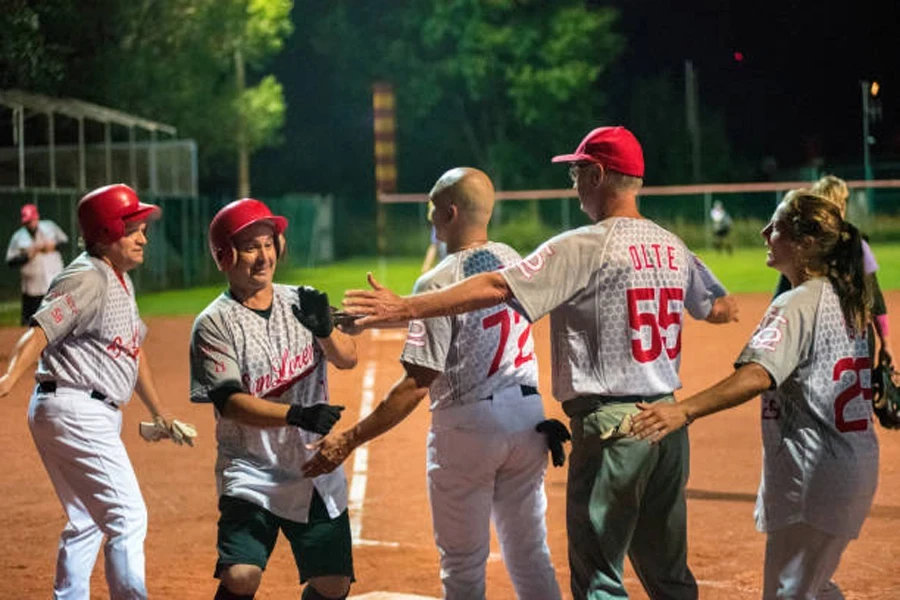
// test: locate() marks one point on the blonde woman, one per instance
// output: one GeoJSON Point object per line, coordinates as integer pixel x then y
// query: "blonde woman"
{"type": "Point", "coordinates": [809, 360]}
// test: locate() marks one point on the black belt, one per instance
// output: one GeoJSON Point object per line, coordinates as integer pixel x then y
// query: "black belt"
{"type": "Point", "coordinates": [49, 387]}
{"type": "Point", "coordinates": [527, 390]}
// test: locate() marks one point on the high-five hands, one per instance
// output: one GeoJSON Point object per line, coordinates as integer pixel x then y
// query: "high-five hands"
{"type": "Point", "coordinates": [313, 312]}
{"type": "Point", "coordinates": [380, 306]}
{"type": "Point", "coordinates": [331, 451]}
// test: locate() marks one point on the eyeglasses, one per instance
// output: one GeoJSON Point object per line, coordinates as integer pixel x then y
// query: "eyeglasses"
{"type": "Point", "coordinates": [574, 169]}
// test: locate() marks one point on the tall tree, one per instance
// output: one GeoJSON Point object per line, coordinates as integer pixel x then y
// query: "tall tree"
{"type": "Point", "coordinates": [184, 62]}
{"type": "Point", "coordinates": [513, 80]}
{"type": "Point", "coordinates": [30, 59]}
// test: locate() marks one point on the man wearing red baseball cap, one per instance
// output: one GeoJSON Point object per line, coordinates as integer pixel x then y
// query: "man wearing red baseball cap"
{"type": "Point", "coordinates": [617, 291]}
{"type": "Point", "coordinates": [34, 248]}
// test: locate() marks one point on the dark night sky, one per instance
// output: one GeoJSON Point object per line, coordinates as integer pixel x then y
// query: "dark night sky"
{"type": "Point", "coordinates": [794, 96]}
{"type": "Point", "coordinates": [796, 93]}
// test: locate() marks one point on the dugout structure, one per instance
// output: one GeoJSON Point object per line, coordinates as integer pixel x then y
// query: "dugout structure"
{"type": "Point", "coordinates": [54, 150]}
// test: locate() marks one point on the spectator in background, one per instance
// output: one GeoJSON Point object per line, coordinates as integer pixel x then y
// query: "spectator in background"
{"type": "Point", "coordinates": [437, 249]}
{"type": "Point", "coordinates": [721, 223]}
{"type": "Point", "coordinates": [834, 189]}
{"type": "Point", "coordinates": [34, 248]}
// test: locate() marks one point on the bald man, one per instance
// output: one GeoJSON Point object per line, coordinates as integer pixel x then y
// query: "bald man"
{"type": "Point", "coordinates": [484, 456]}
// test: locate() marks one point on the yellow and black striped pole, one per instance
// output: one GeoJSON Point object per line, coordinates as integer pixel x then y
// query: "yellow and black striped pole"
{"type": "Point", "coordinates": [385, 154]}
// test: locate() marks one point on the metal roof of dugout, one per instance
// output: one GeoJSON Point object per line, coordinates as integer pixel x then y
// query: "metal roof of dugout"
{"type": "Point", "coordinates": [21, 102]}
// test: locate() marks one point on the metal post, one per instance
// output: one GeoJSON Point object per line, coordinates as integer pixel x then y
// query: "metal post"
{"type": "Point", "coordinates": [132, 158]}
{"type": "Point", "coordinates": [707, 226]}
{"type": "Point", "coordinates": [51, 141]}
{"type": "Point", "coordinates": [867, 163]}
{"type": "Point", "coordinates": [82, 167]}
{"type": "Point", "coordinates": [693, 119]}
{"type": "Point", "coordinates": [107, 150]}
{"type": "Point", "coordinates": [154, 184]}
{"type": "Point", "coordinates": [867, 166]}
{"type": "Point", "coordinates": [19, 136]}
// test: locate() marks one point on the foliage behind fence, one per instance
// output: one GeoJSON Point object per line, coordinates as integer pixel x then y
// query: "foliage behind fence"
{"type": "Point", "coordinates": [177, 255]}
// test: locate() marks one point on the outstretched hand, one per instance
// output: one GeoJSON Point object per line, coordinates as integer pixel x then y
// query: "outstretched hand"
{"type": "Point", "coordinates": [657, 420]}
{"type": "Point", "coordinates": [332, 450]}
{"type": "Point", "coordinates": [379, 305]}
{"type": "Point", "coordinates": [556, 433]}
{"type": "Point", "coordinates": [725, 309]}
{"type": "Point", "coordinates": [313, 312]}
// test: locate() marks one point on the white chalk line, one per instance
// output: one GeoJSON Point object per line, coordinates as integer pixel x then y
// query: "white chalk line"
{"type": "Point", "coordinates": [357, 496]}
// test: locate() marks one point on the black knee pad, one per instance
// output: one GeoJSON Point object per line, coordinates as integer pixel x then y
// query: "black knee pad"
{"type": "Point", "coordinates": [223, 593]}
{"type": "Point", "coordinates": [311, 593]}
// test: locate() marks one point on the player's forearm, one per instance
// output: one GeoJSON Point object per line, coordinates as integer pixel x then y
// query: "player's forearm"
{"type": "Point", "coordinates": [479, 291]}
{"type": "Point", "coordinates": [724, 310]}
{"type": "Point", "coordinates": [146, 389]}
{"type": "Point", "coordinates": [251, 410]}
{"type": "Point", "coordinates": [339, 349]}
{"type": "Point", "coordinates": [403, 398]}
{"type": "Point", "coordinates": [26, 353]}
{"type": "Point", "coordinates": [745, 383]}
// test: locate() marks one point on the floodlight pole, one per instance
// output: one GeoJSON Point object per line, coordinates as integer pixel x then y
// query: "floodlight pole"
{"type": "Point", "coordinates": [867, 164]}
{"type": "Point", "coordinates": [867, 160]}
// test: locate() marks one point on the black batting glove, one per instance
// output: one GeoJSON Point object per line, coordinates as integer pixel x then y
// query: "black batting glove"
{"type": "Point", "coordinates": [556, 433]}
{"type": "Point", "coordinates": [314, 313]}
{"type": "Point", "coordinates": [318, 418]}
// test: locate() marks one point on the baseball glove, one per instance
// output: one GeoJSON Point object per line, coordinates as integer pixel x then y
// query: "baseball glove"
{"type": "Point", "coordinates": [160, 429]}
{"type": "Point", "coordinates": [885, 396]}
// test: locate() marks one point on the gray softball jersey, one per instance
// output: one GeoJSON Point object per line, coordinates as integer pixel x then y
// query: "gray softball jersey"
{"type": "Point", "coordinates": [94, 332]}
{"type": "Point", "coordinates": [616, 293]}
{"type": "Point", "coordinates": [476, 353]}
{"type": "Point", "coordinates": [276, 359]}
{"type": "Point", "coordinates": [820, 451]}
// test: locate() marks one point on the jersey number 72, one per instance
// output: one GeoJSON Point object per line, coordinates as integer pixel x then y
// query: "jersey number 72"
{"type": "Point", "coordinates": [502, 318]}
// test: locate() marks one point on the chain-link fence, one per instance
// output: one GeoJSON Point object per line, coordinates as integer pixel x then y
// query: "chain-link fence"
{"type": "Point", "coordinates": [177, 255]}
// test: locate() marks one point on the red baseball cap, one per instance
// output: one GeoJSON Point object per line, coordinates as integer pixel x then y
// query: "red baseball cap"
{"type": "Point", "coordinates": [29, 213]}
{"type": "Point", "coordinates": [615, 148]}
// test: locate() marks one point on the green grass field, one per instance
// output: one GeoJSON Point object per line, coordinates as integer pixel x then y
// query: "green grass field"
{"type": "Point", "coordinates": [743, 271]}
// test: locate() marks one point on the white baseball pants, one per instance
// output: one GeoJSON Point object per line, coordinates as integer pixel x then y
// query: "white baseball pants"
{"type": "Point", "coordinates": [800, 561]}
{"type": "Point", "coordinates": [486, 460]}
{"type": "Point", "coordinates": [79, 441]}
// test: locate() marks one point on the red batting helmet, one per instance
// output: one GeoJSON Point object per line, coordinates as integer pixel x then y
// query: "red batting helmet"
{"type": "Point", "coordinates": [233, 219]}
{"type": "Point", "coordinates": [103, 213]}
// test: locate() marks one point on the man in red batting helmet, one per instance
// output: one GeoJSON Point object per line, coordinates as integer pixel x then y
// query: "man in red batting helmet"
{"type": "Point", "coordinates": [235, 218]}
{"type": "Point", "coordinates": [259, 355]}
{"type": "Point", "coordinates": [88, 335]}
{"type": "Point", "coordinates": [104, 213]}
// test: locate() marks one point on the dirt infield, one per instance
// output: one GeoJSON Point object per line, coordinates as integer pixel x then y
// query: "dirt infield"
{"type": "Point", "coordinates": [397, 552]}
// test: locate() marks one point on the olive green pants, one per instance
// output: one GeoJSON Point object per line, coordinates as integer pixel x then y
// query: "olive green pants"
{"type": "Point", "coordinates": [625, 496]}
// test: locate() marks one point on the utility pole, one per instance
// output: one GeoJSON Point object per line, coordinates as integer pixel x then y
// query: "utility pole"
{"type": "Point", "coordinates": [692, 108]}
{"type": "Point", "coordinates": [871, 111]}
{"type": "Point", "coordinates": [693, 120]}
{"type": "Point", "coordinates": [867, 164]}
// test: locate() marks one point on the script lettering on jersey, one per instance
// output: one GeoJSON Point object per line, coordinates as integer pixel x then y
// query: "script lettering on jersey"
{"type": "Point", "coordinates": [534, 263]}
{"type": "Point", "coordinates": [131, 349]}
{"type": "Point", "coordinates": [768, 334]}
{"type": "Point", "coordinates": [652, 256]}
{"type": "Point", "coordinates": [214, 353]}
{"type": "Point", "coordinates": [285, 372]}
